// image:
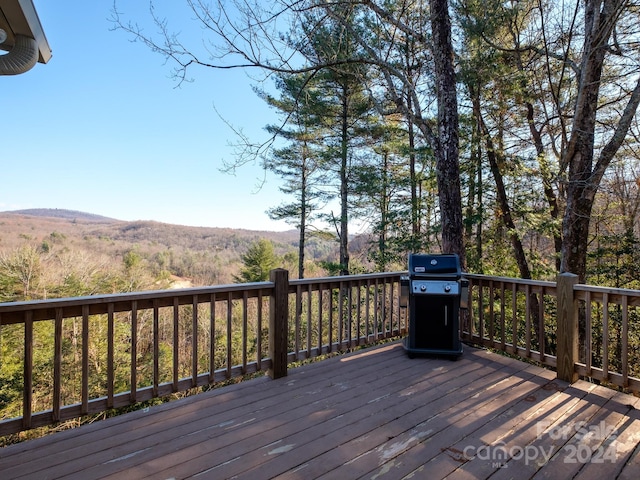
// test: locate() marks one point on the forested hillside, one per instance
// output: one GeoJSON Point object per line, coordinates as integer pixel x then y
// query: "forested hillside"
{"type": "Point", "coordinates": [58, 253]}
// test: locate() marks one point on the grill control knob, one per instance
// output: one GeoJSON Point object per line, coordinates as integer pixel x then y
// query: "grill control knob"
{"type": "Point", "coordinates": [423, 288]}
{"type": "Point", "coordinates": [447, 288]}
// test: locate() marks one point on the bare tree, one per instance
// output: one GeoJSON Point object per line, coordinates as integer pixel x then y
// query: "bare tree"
{"type": "Point", "coordinates": [586, 167]}
{"type": "Point", "coordinates": [572, 70]}
{"type": "Point", "coordinates": [250, 34]}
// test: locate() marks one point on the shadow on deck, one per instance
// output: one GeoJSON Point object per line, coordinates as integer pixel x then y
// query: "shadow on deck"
{"type": "Point", "coordinates": [371, 414]}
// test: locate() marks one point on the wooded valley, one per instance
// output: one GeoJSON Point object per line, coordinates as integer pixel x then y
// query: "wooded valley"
{"type": "Point", "coordinates": [51, 253]}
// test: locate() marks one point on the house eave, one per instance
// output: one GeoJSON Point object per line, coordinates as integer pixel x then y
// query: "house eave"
{"type": "Point", "coordinates": [19, 17]}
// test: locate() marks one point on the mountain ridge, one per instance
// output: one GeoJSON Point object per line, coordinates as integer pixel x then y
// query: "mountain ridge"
{"type": "Point", "coordinates": [61, 213]}
{"type": "Point", "coordinates": [77, 215]}
{"type": "Point", "coordinates": [96, 234]}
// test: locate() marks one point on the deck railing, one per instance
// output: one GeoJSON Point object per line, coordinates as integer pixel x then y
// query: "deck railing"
{"type": "Point", "coordinates": [82, 356]}
{"type": "Point", "coordinates": [512, 315]}
{"type": "Point", "coordinates": [579, 330]}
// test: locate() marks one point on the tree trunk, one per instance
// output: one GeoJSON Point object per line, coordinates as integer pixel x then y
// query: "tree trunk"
{"type": "Point", "coordinates": [303, 220]}
{"type": "Point", "coordinates": [446, 147]}
{"type": "Point", "coordinates": [384, 214]}
{"type": "Point", "coordinates": [501, 194]}
{"type": "Point", "coordinates": [583, 179]}
{"type": "Point", "coordinates": [415, 201]}
{"type": "Point", "coordinates": [344, 188]}
{"type": "Point", "coordinates": [545, 172]}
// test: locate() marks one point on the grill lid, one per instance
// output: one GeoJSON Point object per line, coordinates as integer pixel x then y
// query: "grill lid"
{"type": "Point", "coordinates": [430, 265]}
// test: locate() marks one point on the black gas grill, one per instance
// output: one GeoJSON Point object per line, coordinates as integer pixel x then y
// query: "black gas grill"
{"type": "Point", "coordinates": [435, 285]}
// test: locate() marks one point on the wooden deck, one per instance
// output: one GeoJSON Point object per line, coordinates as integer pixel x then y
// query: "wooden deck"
{"type": "Point", "coordinates": [372, 414]}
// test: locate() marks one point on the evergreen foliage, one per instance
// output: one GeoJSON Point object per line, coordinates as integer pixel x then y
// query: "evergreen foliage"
{"type": "Point", "coordinates": [258, 261]}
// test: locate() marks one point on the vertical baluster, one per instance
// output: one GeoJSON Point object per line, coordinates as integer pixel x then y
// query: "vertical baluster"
{"type": "Point", "coordinates": [340, 314]}
{"type": "Point", "coordinates": [588, 344]}
{"type": "Point", "coordinates": [527, 333]}
{"type": "Point", "coordinates": [85, 359]}
{"type": "Point", "coordinates": [514, 318]}
{"type": "Point", "coordinates": [176, 343]}
{"type": "Point", "coordinates": [57, 365]}
{"type": "Point", "coordinates": [605, 336]}
{"type": "Point", "coordinates": [245, 327]}
{"type": "Point", "coordinates": [156, 347]}
{"type": "Point", "coordinates": [470, 312]}
{"type": "Point", "coordinates": [625, 341]}
{"type": "Point", "coordinates": [376, 311]}
{"type": "Point", "coordinates": [349, 314]}
{"type": "Point", "coordinates": [359, 313]}
{"type": "Point", "coordinates": [134, 352]}
{"type": "Point", "coordinates": [320, 329]}
{"type": "Point", "coordinates": [330, 327]}
{"type": "Point", "coordinates": [503, 337]}
{"type": "Point", "coordinates": [296, 348]}
{"type": "Point", "coordinates": [110, 356]}
{"type": "Point", "coordinates": [491, 313]}
{"type": "Point", "coordinates": [194, 341]}
{"type": "Point", "coordinates": [480, 311]}
{"type": "Point", "coordinates": [259, 333]}
{"type": "Point", "coordinates": [392, 297]}
{"type": "Point", "coordinates": [229, 337]}
{"type": "Point", "coordinates": [541, 324]}
{"type": "Point", "coordinates": [383, 310]}
{"type": "Point", "coordinates": [309, 320]}
{"type": "Point", "coordinates": [212, 338]}
{"type": "Point", "coordinates": [27, 393]}
{"type": "Point", "coordinates": [367, 311]}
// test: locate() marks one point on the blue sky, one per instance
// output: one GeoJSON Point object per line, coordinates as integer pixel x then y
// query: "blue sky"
{"type": "Point", "coordinates": [102, 128]}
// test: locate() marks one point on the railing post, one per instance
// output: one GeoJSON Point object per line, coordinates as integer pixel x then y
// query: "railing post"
{"type": "Point", "coordinates": [567, 328]}
{"type": "Point", "coordinates": [279, 323]}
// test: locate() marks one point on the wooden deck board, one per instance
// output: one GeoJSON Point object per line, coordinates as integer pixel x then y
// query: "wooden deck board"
{"type": "Point", "coordinates": [371, 414]}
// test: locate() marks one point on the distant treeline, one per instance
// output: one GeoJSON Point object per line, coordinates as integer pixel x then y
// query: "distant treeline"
{"type": "Point", "coordinates": [45, 257]}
